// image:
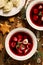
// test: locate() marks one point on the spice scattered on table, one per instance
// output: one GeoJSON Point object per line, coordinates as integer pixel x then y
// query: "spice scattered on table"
{"type": "Point", "coordinates": [42, 45]}
{"type": "Point", "coordinates": [11, 19]}
{"type": "Point", "coordinates": [19, 24]}
{"type": "Point", "coordinates": [39, 60]}
{"type": "Point", "coordinates": [29, 63]}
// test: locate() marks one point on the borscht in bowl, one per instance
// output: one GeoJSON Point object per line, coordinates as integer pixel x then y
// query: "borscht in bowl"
{"type": "Point", "coordinates": [21, 44]}
{"type": "Point", "coordinates": [34, 14]}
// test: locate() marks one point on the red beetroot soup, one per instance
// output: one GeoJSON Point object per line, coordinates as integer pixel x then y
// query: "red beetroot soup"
{"type": "Point", "coordinates": [20, 43]}
{"type": "Point", "coordinates": [36, 14]}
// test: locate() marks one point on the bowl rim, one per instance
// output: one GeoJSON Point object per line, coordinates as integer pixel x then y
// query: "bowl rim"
{"type": "Point", "coordinates": [28, 14]}
{"type": "Point", "coordinates": [21, 58]}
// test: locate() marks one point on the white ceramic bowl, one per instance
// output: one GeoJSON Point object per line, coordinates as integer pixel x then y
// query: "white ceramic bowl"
{"type": "Point", "coordinates": [28, 14]}
{"type": "Point", "coordinates": [14, 10]}
{"type": "Point", "coordinates": [29, 55]}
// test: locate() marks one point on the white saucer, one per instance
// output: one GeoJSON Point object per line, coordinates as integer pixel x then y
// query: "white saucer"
{"type": "Point", "coordinates": [14, 11]}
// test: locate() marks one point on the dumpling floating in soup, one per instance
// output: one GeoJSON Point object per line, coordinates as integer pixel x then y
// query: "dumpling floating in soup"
{"type": "Point", "coordinates": [8, 7]}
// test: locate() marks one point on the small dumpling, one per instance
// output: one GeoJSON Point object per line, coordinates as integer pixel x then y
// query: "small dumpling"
{"type": "Point", "coordinates": [8, 7]}
{"type": "Point", "coordinates": [6, 1]}
{"type": "Point", "coordinates": [16, 3]}
{"type": "Point", "coordinates": [2, 3]}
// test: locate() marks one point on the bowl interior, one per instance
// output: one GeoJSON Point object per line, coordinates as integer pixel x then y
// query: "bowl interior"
{"type": "Point", "coordinates": [30, 6]}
